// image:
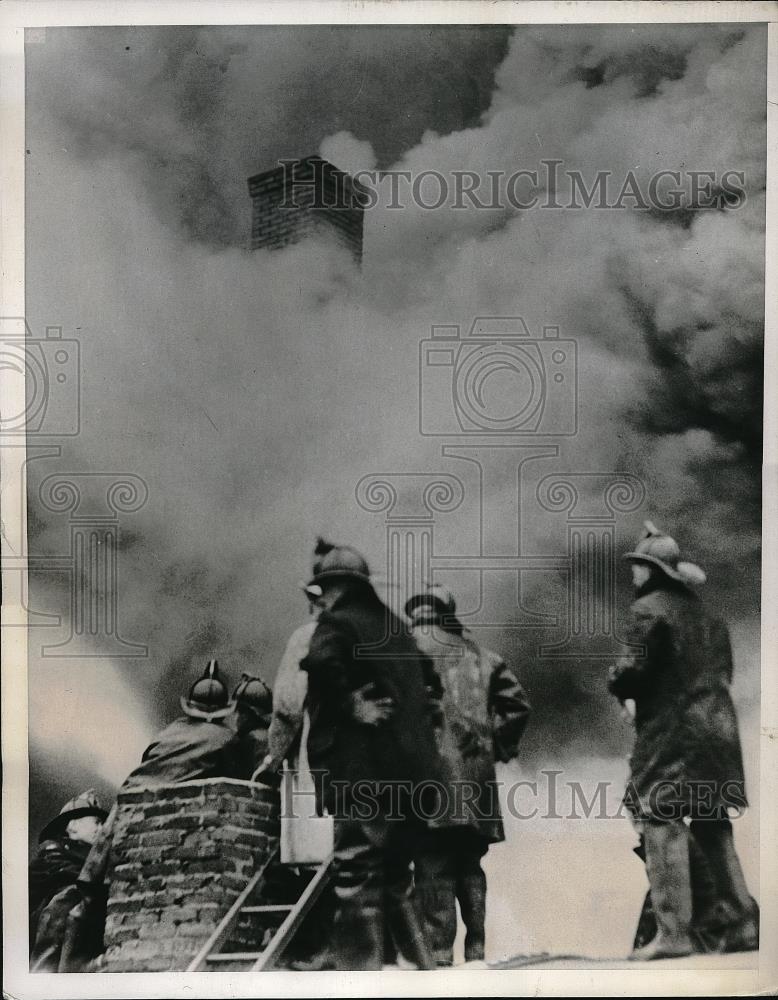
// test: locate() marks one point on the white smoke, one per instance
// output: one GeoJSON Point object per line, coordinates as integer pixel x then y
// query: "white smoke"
{"type": "Point", "coordinates": [348, 153]}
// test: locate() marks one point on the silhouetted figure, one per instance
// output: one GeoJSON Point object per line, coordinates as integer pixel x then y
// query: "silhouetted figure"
{"type": "Point", "coordinates": [483, 714]}
{"type": "Point", "coordinates": [253, 702]}
{"type": "Point", "coordinates": [370, 731]}
{"type": "Point", "coordinates": [65, 843]}
{"type": "Point", "coordinates": [198, 744]}
{"type": "Point", "coordinates": [686, 766]}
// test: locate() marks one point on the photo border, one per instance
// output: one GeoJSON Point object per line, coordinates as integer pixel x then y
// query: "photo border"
{"type": "Point", "coordinates": [642, 980]}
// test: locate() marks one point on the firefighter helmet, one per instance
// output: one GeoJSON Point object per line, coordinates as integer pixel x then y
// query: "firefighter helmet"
{"type": "Point", "coordinates": [253, 694]}
{"type": "Point", "coordinates": [333, 561]}
{"type": "Point", "coordinates": [655, 548]}
{"type": "Point", "coordinates": [84, 804]}
{"type": "Point", "coordinates": [208, 698]}
{"type": "Point", "coordinates": [436, 597]}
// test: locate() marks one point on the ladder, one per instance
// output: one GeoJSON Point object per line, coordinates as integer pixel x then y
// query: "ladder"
{"type": "Point", "coordinates": [254, 933]}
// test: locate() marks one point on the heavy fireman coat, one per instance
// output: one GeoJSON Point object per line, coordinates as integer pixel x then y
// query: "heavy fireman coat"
{"type": "Point", "coordinates": [685, 722]}
{"type": "Point", "coordinates": [189, 750]}
{"type": "Point", "coordinates": [56, 866]}
{"type": "Point", "coordinates": [340, 660]}
{"type": "Point", "coordinates": [485, 712]}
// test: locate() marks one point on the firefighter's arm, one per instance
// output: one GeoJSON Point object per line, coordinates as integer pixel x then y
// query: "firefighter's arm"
{"type": "Point", "coordinates": [509, 710]}
{"type": "Point", "coordinates": [631, 674]}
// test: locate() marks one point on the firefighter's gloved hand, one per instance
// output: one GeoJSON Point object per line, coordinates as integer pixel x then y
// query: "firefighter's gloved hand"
{"type": "Point", "coordinates": [617, 669]}
{"type": "Point", "coordinates": [369, 710]}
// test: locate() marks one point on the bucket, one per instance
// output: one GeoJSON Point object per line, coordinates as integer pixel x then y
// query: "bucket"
{"type": "Point", "coordinates": [306, 837]}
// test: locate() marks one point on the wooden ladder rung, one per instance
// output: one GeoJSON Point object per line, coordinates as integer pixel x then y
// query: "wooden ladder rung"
{"type": "Point", "coordinates": [294, 918]}
{"type": "Point", "coordinates": [275, 908]}
{"type": "Point", "coordinates": [235, 956]}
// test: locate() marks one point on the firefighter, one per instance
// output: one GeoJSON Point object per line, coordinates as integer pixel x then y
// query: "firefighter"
{"type": "Point", "coordinates": [64, 845]}
{"type": "Point", "coordinates": [253, 701]}
{"type": "Point", "coordinates": [484, 712]}
{"type": "Point", "coordinates": [198, 744]}
{"type": "Point", "coordinates": [686, 765]}
{"type": "Point", "coordinates": [371, 736]}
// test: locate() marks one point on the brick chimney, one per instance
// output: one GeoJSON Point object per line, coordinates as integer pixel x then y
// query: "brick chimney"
{"type": "Point", "coordinates": [181, 855]}
{"type": "Point", "coordinates": [305, 197]}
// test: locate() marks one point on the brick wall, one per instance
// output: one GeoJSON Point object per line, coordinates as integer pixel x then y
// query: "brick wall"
{"type": "Point", "coordinates": [181, 854]}
{"type": "Point", "coordinates": [317, 198]}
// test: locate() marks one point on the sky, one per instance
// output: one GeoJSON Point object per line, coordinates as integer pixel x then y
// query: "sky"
{"type": "Point", "coordinates": [252, 391]}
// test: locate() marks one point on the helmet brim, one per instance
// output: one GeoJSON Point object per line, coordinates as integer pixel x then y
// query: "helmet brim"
{"type": "Point", "coordinates": [430, 601]}
{"type": "Point", "coordinates": [55, 828]}
{"type": "Point", "coordinates": [345, 574]}
{"type": "Point", "coordinates": [666, 568]}
{"type": "Point", "coordinates": [196, 712]}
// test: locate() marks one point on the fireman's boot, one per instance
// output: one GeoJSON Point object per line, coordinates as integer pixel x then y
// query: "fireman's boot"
{"type": "Point", "coordinates": [715, 840]}
{"type": "Point", "coordinates": [667, 864]}
{"type": "Point", "coordinates": [471, 893]}
{"type": "Point", "coordinates": [437, 903]}
{"type": "Point", "coordinates": [359, 937]}
{"type": "Point", "coordinates": [409, 936]}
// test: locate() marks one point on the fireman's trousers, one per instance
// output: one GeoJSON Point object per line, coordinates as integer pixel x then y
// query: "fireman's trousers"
{"type": "Point", "coordinates": [448, 870]}
{"type": "Point", "coordinates": [373, 885]}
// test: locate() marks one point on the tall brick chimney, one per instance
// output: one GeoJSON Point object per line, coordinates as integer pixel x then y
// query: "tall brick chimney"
{"type": "Point", "coordinates": [304, 197]}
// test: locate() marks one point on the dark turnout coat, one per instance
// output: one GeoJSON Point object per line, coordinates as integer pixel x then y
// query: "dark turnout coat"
{"type": "Point", "coordinates": [687, 758]}
{"type": "Point", "coordinates": [56, 866]}
{"type": "Point", "coordinates": [187, 750]}
{"type": "Point", "coordinates": [358, 642]}
{"type": "Point", "coordinates": [484, 714]}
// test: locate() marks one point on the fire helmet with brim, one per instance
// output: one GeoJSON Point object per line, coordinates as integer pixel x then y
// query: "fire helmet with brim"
{"type": "Point", "coordinates": [655, 548]}
{"type": "Point", "coordinates": [338, 562]}
{"type": "Point", "coordinates": [84, 804]}
{"type": "Point", "coordinates": [436, 597]}
{"type": "Point", "coordinates": [253, 695]}
{"type": "Point", "coordinates": [208, 697]}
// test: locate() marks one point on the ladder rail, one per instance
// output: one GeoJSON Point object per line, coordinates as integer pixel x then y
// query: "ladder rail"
{"type": "Point", "coordinates": [229, 919]}
{"type": "Point", "coordinates": [291, 923]}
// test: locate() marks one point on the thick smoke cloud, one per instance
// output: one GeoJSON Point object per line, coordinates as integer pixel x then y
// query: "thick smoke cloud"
{"type": "Point", "coordinates": [253, 391]}
{"type": "Point", "coordinates": [192, 112]}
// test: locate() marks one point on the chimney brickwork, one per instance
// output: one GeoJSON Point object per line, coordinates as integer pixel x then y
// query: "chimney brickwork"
{"type": "Point", "coordinates": [304, 198]}
{"type": "Point", "coordinates": [181, 855]}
